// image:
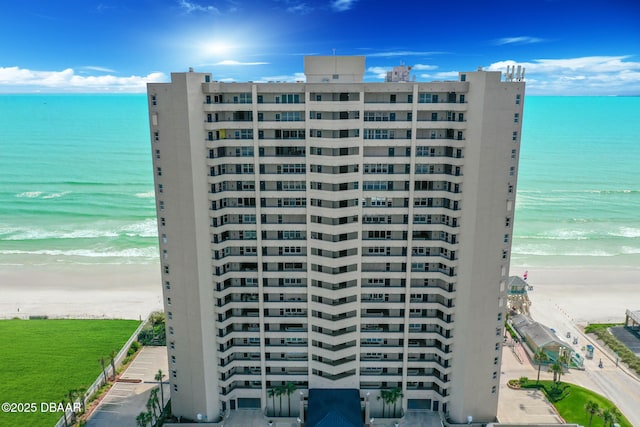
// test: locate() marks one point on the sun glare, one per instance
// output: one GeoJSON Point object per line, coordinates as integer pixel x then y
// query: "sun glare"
{"type": "Point", "coordinates": [218, 48]}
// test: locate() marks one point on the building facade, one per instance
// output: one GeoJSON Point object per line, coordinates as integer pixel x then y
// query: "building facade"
{"type": "Point", "coordinates": [335, 234]}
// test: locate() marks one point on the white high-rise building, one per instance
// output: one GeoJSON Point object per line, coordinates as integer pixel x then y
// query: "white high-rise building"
{"type": "Point", "coordinates": [336, 234]}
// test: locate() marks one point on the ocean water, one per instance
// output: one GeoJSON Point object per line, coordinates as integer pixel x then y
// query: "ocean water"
{"type": "Point", "coordinates": [76, 184]}
{"type": "Point", "coordinates": [76, 181]}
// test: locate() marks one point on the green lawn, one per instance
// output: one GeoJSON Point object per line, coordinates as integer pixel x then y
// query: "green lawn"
{"type": "Point", "coordinates": [41, 360]}
{"type": "Point", "coordinates": [572, 401]}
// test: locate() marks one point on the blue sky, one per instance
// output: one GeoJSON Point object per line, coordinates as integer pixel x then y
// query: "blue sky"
{"type": "Point", "coordinates": [568, 47]}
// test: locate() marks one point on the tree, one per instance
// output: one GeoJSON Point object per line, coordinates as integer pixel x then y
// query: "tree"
{"type": "Point", "coordinates": [141, 420]}
{"type": "Point", "coordinates": [606, 417]}
{"type": "Point", "coordinates": [72, 394]}
{"type": "Point", "coordinates": [159, 376]}
{"type": "Point", "coordinates": [112, 356]}
{"type": "Point", "coordinates": [104, 372]}
{"type": "Point", "coordinates": [272, 394]}
{"type": "Point", "coordinates": [153, 397]}
{"type": "Point", "coordinates": [540, 357]}
{"type": "Point", "coordinates": [280, 390]}
{"type": "Point", "coordinates": [615, 415]}
{"type": "Point", "coordinates": [591, 408]}
{"type": "Point", "coordinates": [151, 410]}
{"type": "Point", "coordinates": [384, 396]}
{"type": "Point", "coordinates": [556, 368]}
{"type": "Point", "coordinates": [395, 394]}
{"type": "Point", "coordinates": [289, 389]}
{"type": "Point", "coordinates": [82, 392]}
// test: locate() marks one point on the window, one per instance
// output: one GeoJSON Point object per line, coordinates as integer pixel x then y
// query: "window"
{"type": "Point", "coordinates": [518, 99]}
{"type": "Point", "coordinates": [506, 238]}
{"type": "Point", "coordinates": [377, 168]}
{"type": "Point", "coordinates": [175, 387]}
{"type": "Point", "coordinates": [247, 168]}
{"type": "Point", "coordinates": [159, 171]}
{"type": "Point", "coordinates": [514, 137]}
{"type": "Point", "coordinates": [516, 118]}
{"type": "Point", "coordinates": [174, 373]}
{"type": "Point", "coordinates": [173, 359]}
{"type": "Point", "coordinates": [243, 134]}
{"type": "Point", "coordinates": [495, 360]}
{"type": "Point", "coordinates": [167, 285]}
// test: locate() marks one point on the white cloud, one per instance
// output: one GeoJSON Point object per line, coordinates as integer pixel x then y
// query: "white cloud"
{"type": "Point", "coordinates": [190, 7]}
{"type": "Point", "coordinates": [232, 62]}
{"type": "Point", "coordinates": [342, 5]}
{"type": "Point", "coordinates": [96, 68]}
{"type": "Point", "coordinates": [423, 67]}
{"type": "Point", "coordinates": [15, 79]}
{"type": "Point", "coordinates": [443, 75]}
{"type": "Point", "coordinates": [401, 53]}
{"type": "Point", "coordinates": [380, 72]}
{"type": "Point", "coordinates": [518, 40]}
{"type": "Point", "coordinates": [295, 77]}
{"type": "Point", "coordinates": [589, 75]}
{"type": "Point", "coordinates": [300, 9]}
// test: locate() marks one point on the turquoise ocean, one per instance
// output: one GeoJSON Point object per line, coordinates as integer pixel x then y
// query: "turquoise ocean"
{"type": "Point", "coordinates": [76, 183]}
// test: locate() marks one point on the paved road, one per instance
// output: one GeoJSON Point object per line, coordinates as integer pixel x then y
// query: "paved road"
{"type": "Point", "coordinates": [124, 401]}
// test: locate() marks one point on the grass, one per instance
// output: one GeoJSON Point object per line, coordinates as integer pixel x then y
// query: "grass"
{"type": "Point", "coordinates": [43, 359]}
{"type": "Point", "coordinates": [570, 399]}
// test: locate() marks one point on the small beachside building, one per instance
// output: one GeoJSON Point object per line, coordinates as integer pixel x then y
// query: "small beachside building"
{"type": "Point", "coordinates": [538, 336]}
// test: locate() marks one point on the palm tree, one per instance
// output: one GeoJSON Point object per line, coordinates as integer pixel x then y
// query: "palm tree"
{"type": "Point", "coordinates": [112, 356]}
{"type": "Point", "coordinates": [104, 372]}
{"type": "Point", "coordinates": [72, 394]}
{"type": "Point", "coordinates": [272, 394]}
{"type": "Point", "coordinates": [280, 390]}
{"type": "Point", "coordinates": [615, 415]}
{"type": "Point", "coordinates": [557, 370]}
{"type": "Point", "coordinates": [591, 408]}
{"type": "Point", "coordinates": [82, 392]}
{"type": "Point", "coordinates": [540, 357]}
{"type": "Point", "coordinates": [395, 394]}
{"type": "Point", "coordinates": [159, 376]}
{"type": "Point", "coordinates": [606, 417]}
{"type": "Point", "coordinates": [289, 389]}
{"type": "Point", "coordinates": [384, 396]}
{"type": "Point", "coordinates": [151, 410]}
{"type": "Point", "coordinates": [153, 397]}
{"type": "Point", "coordinates": [141, 420]}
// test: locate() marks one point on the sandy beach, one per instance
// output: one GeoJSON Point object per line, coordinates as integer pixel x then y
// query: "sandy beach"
{"type": "Point", "coordinates": [572, 295]}
{"type": "Point", "coordinates": [80, 290]}
{"type": "Point", "coordinates": [582, 295]}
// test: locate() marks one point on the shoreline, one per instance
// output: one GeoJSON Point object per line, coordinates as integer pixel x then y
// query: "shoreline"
{"type": "Point", "coordinates": [598, 294]}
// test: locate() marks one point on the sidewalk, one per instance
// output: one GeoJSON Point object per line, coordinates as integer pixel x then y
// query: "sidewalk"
{"type": "Point", "coordinates": [124, 401]}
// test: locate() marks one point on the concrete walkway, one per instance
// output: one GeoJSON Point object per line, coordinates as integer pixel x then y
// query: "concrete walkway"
{"type": "Point", "coordinates": [124, 401]}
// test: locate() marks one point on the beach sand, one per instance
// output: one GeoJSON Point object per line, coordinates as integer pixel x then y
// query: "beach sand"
{"type": "Point", "coordinates": [582, 295]}
{"type": "Point", "coordinates": [559, 295]}
{"type": "Point", "coordinates": [124, 291]}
